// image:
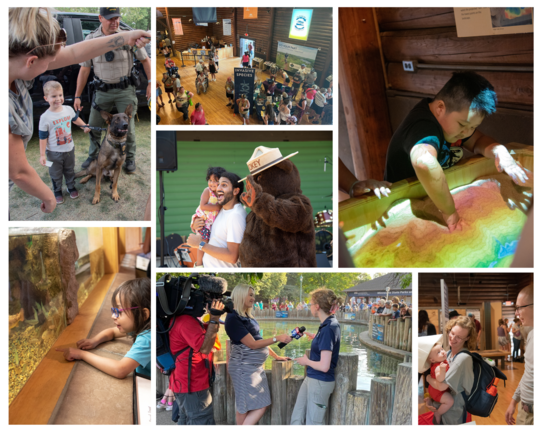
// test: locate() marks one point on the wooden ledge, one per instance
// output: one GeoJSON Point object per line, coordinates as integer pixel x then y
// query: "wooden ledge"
{"type": "Point", "coordinates": [37, 399]}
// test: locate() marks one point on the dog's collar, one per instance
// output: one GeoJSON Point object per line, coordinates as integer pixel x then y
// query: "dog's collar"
{"type": "Point", "coordinates": [120, 144]}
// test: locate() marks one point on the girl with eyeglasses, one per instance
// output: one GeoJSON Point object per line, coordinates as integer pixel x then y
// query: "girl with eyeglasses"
{"type": "Point", "coordinates": [35, 46]}
{"type": "Point", "coordinates": [461, 333]}
{"type": "Point", "coordinates": [131, 316]}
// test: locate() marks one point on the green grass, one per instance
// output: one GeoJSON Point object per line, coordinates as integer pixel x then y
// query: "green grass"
{"type": "Point", "coordinates": [134, 189]}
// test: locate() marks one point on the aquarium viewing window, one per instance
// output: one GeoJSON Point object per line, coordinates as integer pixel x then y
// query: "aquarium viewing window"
{"type": "Point", "coordinates": [48, 280]}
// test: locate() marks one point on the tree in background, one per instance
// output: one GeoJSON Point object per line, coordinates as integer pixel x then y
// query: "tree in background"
{"type": "Point", "coordinates": [136, 18]}
{"type": "Point", "coordinates": [337, 282]}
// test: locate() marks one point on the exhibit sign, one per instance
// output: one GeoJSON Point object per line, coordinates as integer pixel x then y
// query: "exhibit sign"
{"type": "Point", "coordinates": [377, 332]}
{"type": "Point", "coordinates": [244, 83]}
{"type": "Point", "coordinates": [177, 25]}
{"type": "Point", "coordinates": [290, 56]}
{"type": "Point", "coordinates": [250, 12]}
{"type": "Point", "coordinates": [202, 24]}
{"type": "Point", "coordinates": [227, 27]}
{"type": "Point", "coordinates": [300, 22]}
{"type": "Point", "coordinates": [485, 21]}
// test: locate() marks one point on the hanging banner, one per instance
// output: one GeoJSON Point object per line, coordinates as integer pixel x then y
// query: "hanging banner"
{"type": "Point", "coordinates": [300, 22]}
{"type": "Point", "coordinates": [484, 21]}
{"type": "Point", "coordinates": [202, 24]}
{"type": "Point", "coordinates": [177, 26]}
{"type": "Point", "coordinates": [290, 57]}
{"type": "Point", "coordinates": [244, 83]}
{"type": "Point", "coordinates": [227, 27]}
{"type": "Point", "coordinates": [250, 13]}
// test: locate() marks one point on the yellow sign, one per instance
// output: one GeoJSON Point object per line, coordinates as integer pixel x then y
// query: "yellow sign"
{"type": "Point", "coordinates": [250, 13]}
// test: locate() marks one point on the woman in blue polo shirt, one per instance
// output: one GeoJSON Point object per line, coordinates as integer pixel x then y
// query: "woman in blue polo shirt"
{"type": "Point", "coordinates": [319, 384]}
{"type": "Point", "coordinates": [248, 352]}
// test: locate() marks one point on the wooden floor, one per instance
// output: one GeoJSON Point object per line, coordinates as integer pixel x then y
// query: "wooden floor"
{"type": "Point", "coordinates": [213, 101]}
{"type": "Point", "coordinates": [514, 372]}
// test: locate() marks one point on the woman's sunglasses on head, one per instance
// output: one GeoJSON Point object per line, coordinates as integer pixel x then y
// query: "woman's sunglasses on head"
{"type": "Point", "coordinates": [61, 40]}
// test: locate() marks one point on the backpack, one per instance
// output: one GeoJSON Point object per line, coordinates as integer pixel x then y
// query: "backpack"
{"type": "Point", "coordinates": [484, 395]}
{"type": "Point", "coordinates": [174, 294]}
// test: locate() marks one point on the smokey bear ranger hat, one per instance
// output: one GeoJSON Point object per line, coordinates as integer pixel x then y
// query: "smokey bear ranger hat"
{"type": "Point", "coordinates": [264, 158]}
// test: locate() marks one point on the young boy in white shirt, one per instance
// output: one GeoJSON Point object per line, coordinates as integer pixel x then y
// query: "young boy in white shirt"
{"type": "Point", "coordinates": [55, 141]}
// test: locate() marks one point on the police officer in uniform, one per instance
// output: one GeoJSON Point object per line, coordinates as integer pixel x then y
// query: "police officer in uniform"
{"type": "Point", "coordinates": [113, 85]}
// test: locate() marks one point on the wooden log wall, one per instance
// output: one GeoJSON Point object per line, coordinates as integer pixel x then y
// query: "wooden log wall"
{"type": "Point", "coordinates": [193, 33]}
{"type": "Point", "coordinates": [320, 36]}
{"type": "Point", "coordinates": [429, 36]}
{"type": "Point", "coordinates": [217, 29]}
{"type": "Point", "coordinates": [363, 89]}
{"type": "Point", "coordinates": [397, 334]}
{"type": "Point", "coordinates": [258, 30]}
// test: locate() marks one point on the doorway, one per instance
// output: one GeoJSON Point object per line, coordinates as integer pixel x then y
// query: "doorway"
{"type": "Point", "coordinates": [244, 46]}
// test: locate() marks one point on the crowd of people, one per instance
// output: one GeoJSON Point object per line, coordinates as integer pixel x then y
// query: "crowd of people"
{"type": "Point", "coordinates": [274, 103]}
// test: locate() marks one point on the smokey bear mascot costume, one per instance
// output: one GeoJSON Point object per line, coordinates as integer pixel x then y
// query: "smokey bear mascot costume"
{"type": "Point", "coordinates": [280, 231]}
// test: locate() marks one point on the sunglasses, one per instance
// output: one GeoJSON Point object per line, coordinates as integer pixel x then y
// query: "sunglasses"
{"type": "Point", "coordinates": [116, 312]}
{"type": "Point", "coordinates": [61, 40]}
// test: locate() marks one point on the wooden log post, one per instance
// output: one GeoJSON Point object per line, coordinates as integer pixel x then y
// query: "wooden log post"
{"type": "Point", "coordinates": [357, 408]}
{"type": "Point", "coordinates": [266, 419]}
{"type": "Point", "coordinates": [402, 410]}
{"type": "Point", "coordinates": [219, 392]}
{"type": "Point", "coordinates": [281, 370]}
{"type": "Point", "coordinates": [346, 374]}
{"type": "Point", "coordinates": [409, 346]}
{"type": "Point", "coordinates": [386, 333]}
{"type": "Point", "coordinates": [231, 405]}
{"type": "Point", "coordinates": [407, 327]}
{"type": "Point", "coordinates": [382, 400]}
{"type": "Point", "coordinates": [293, 388]}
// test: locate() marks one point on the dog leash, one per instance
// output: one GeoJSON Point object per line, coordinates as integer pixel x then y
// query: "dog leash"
{"type": "Point", "coordinates": [94, 128]}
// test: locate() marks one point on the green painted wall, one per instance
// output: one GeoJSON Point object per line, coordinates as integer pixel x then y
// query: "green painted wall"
{"type": "Point", "coordinates": [184, 187]}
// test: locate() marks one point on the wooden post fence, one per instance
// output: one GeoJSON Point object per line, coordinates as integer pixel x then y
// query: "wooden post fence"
{"type": "Point", "coordinates": [402, 410]}
{"type": "Point", "coordinates": [357, 409]}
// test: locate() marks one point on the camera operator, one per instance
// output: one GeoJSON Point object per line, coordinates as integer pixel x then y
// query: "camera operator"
{"type": "Point", "coordinates": [191, 377]}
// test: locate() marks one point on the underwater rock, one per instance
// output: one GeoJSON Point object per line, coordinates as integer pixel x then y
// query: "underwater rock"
{"type": "Point", "coordinates": [69, 254]}
{"type": "Point", "coordinates": [14, 320]}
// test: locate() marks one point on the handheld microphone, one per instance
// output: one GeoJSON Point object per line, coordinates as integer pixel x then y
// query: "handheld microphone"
{"type": "Point", "coordinates": [297, 333]}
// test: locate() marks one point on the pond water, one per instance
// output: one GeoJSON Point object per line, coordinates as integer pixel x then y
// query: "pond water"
{"type": "Point", "coordinates": [370, 363]}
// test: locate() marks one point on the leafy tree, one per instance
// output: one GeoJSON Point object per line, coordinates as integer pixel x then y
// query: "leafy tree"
{"type": "Point", "coordinates": [136, 18]}
{"type": "Point", "coordinates": [337, 282]}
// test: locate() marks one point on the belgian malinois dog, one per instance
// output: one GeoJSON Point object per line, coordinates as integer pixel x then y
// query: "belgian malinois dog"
{"type": "Point", "coordinates": [112, 153]}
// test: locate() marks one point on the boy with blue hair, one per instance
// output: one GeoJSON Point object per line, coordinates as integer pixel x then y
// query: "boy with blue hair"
{"type": "Point", "coordinates": [433, 135]}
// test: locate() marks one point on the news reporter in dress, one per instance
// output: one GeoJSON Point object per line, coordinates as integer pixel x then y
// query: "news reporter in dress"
{"type": "Point", "coordinates": [248, 352]}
